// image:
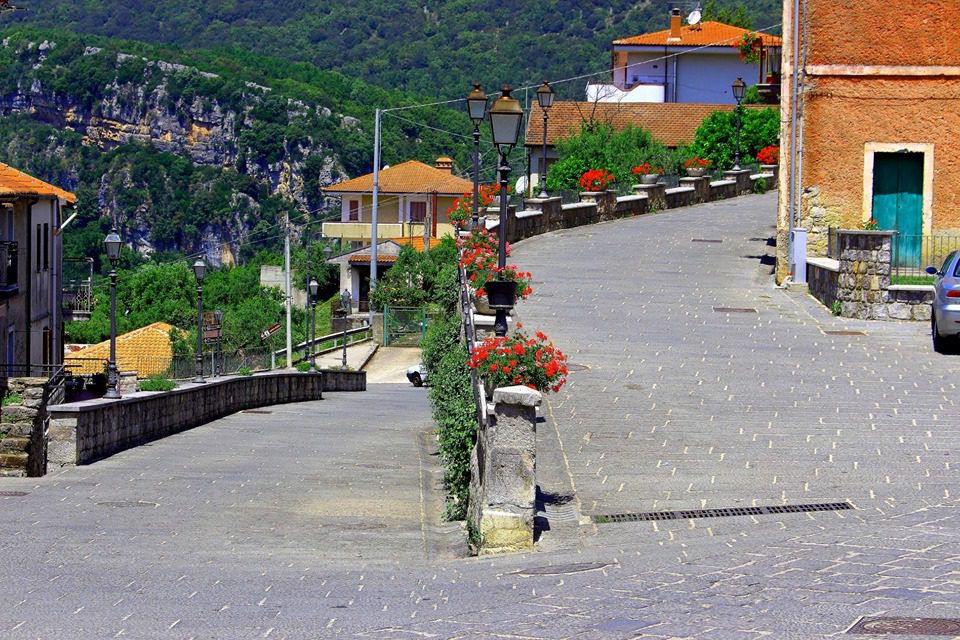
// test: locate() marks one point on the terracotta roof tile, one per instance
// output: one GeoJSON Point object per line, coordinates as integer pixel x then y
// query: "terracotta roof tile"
{"type": "Point", "coordinates": [416, 241]}
{"type": "Point", "coordinates": [672, 123]}
{"type": "Point", "coordinates": [407, 177]}
{"type": "Point", "coordinates": [364, 258]}
{"type": "Point", "coordinates": [709, 33]}
{"type": "Point", "coordinates": [145, 350]}
{"type": "Point", "coordinates": [14, 182]}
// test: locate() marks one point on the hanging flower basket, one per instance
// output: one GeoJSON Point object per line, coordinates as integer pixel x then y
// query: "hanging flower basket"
{"type": "Point", "coordinates": [501, 294]}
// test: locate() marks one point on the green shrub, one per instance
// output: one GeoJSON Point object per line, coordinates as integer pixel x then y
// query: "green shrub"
{"type": "Point", "coordinates": [157, 383]}
{"type": "Point", "coordinates": [244, 371]}
{"type": "Point", "coordinates": [836, 308]}
{"type": "Point", "coordinates": [303, 367]}
{"type": "Point", "coordinates": [760, 186]}
{"type": "Point", "coordinates": [715, 139]}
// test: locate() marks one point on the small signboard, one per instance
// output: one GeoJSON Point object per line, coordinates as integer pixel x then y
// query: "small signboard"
{"type": "Point", "coordinates": [211, 327]}
{"type": "Point", "coordinates": [266, 333]}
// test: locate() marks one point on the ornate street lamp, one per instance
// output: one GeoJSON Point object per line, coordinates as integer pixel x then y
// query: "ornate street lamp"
{"type": "Point", "coordinates": [477, 108]}
{"type": "Point", "coordinates": [739, 88]}
{"type": "Point", "coordinates": [312, 321]}
{"type": "Point", "coordinates": [113, 243]}
{"type": "Point", "coordinates": [199, 269]}
{"type": "Point", "coordinates": [545, 99]}
{"type": "Point", "coordinates": [506, 115]}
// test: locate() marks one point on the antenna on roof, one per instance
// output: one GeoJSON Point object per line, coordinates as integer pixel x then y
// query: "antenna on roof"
{"type": "Point", "coordinates": [694, 17]}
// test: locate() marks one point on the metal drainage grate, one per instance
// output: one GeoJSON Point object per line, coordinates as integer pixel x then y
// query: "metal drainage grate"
{"type": "Point", "coordinates": [843, 332]}
{"type": "Point", "coordinates": [563, 569]}
{"type": "Point", "coordinates": [882, 626]}
{"type": "Point", "coordinates": [260, 411]}
{"type": "Point", "coordinates": [706, 241]}
{"type": "Point", "coordinates": [720, 513]}
{"type": "Point", "coordinates": [734, 310]}
{"type": "Point", "coordinates": [13, 494]}
{"type": "Point", "coordinates": [128, 503]}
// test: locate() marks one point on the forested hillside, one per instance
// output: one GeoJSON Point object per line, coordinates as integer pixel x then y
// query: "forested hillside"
{"type": "Point", "coordinates": [431, 47]}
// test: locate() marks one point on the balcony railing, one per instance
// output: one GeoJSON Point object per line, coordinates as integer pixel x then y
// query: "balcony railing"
{"type": "Point", "coordinates": [8, 268]}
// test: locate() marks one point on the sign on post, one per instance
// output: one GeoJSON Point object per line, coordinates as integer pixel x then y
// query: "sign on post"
{"type": "Point", "coordinates": [266, 333]}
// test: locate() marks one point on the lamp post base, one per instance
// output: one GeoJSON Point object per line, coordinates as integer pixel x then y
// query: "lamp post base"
{"type": "Point", "coordinates": [500, 323]}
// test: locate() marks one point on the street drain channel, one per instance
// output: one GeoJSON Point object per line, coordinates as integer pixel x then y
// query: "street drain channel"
{"type": "Point", "coordinates": [706, 240]}
{"type": "Point", "coordinates": [719, 513]}
{"type": "Point", "coordinates": [883, 626]}
{"type": "Point", "coordinates": [734, 310]}
{"type": "Point", "coordinates": [259, 411]}
{"type": "Point", "coordinates": [13, 494]}
{"type": "Point", "coordinates": [577, 367]}
{"type": "Point", "coordinates": [843, 332]}
{"type": "Point", "coordinates": [563, 569]}
{"type": "Point", "coordinates": [129, 503]}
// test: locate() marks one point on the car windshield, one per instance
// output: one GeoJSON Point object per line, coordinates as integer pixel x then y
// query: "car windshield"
{"type": "Point", "coordinates": [946, 262]}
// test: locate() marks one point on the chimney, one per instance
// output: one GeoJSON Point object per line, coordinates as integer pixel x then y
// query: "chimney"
{"type": "Point", "coordinates": [675, 24]}
{"type": "Point", "coordinates": [444, 164]}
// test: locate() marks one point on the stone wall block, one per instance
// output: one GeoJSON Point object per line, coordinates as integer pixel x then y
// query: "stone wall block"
{"type": "Point", "coordinates": [18, 413]}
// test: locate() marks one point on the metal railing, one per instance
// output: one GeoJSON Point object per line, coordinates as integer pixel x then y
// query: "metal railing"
{"type": "Point", "coordinates": [912, 254]}
{"type": "Point", "coordinates": [327, 343]}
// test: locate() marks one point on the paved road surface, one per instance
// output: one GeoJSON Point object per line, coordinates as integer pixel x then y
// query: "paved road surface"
{"type": "Point", "coordinates": [319, 520]}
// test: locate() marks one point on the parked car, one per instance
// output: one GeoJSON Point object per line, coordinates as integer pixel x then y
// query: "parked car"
{"type": "Point", "coordinates": [417, 375]}
{"type": "Point", "coordinates": [945, 312]}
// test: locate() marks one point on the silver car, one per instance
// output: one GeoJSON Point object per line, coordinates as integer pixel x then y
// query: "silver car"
{"type": "Point", "coordinates": [945, 318]}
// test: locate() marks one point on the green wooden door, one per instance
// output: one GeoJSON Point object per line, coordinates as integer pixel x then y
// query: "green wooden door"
{"type": "Point", "coordinates": [898, 202]}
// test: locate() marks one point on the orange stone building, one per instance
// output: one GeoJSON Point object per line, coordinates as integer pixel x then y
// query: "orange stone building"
{"type": "Point", "coordinates": [873, 128]}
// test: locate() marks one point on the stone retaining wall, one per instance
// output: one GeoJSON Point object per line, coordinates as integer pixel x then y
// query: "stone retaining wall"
{"type": "Point", "coordinates": [22, 432]}
{"type": "Point", "coordinates": [860, 280]}
{"type": "Point", "coordinates": [84, 432]}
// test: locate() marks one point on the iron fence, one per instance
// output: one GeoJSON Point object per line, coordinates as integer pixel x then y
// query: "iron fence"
{"type": "Point", "coordinates": [912, 254]}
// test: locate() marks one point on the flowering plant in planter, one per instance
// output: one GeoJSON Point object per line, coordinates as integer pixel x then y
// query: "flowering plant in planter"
{"type": "Point", "coordinates": [696, 163]}
{"type": "Point", "coordinates": [647, 169]}
{"type": "Point", "coordinates": [870, 225]}
{"type": "Point", "coordinates": [509, 273]}
{"type": "Point", "coordinates": [596, 180]}
{"type": "Point", "coordinates": [519, 359]}
{"type": "Point", "coordinates": [749, 46]}
{"type": "Point", "coordinates": [479, 260]}
{"type": "Point", "coordinates": [462, 207]}
{"type": "Point", "coordinates": [769, 154]}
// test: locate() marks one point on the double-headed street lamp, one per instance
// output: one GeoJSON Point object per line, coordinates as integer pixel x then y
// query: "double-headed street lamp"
{"type": "Point", "coordinates": [345, 302]}
{"type": "Point", "coordinates": [505, 119]}
{"type": "Point", "coordinates": [477, 108]}
{"type": "Point", "coordinates": [113, 243]}
{"type": "Point", "coordinates": [739, 88]}
{"type": "Point", "coordinates": [199, 270]}
{"type": "Point", "coordinates": [313, 288]}
{"type": "Point", "coordinates": [545, 100]}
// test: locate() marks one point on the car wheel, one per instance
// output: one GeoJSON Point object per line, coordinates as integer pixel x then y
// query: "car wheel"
{"type": "Point", "coordinates": [939, 342]}
{"type": "Point", "coordinates": [416, 380]}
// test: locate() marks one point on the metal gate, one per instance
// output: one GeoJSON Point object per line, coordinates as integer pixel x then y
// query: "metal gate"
{"type": "Point", "coordinates": [404, 326]}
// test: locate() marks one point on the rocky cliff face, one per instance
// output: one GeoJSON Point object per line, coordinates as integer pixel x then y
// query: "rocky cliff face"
{"type": "Point", "coordinates": [216, 123]}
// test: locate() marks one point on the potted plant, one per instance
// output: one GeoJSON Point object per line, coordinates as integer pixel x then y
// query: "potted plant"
{"type": "Point", "coordinates": [499, 288]}
{"type": "Point", "coordinates": [696, 167]}
{"type": "Point", "coordinates": [478, 256]}
{"type": "Point", "coordinates": [520, 359]}
{"type": "Point", "coordinates": [462, 208]}
{"type": "Point", "coordinates": [649, 173]}
{"type": "Point", "coordinates": [595, 180]}
{"type": "Point", "coordinates": [769, 156]}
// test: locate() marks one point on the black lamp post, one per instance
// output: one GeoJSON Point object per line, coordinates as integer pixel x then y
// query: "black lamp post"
{"type": "Point", "coordinates": [199, 269]}
{"type": "Point", "coordinates": [505, 119]}
{"type": "Point", "coordinates": [345, 306]}
{"type": "Point", "coordinates": [113, 243]}
{"type": "Point", "coordinates": [313, 287]}
{"type": "Point", "coordinates": [477, 108]}
{"type": "Point", "coordinates": [545, 99]}
{"type": "Point", "coordinates": [739, 88]}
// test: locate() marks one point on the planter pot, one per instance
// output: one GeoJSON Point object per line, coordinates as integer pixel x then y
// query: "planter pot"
{"type": "Point", "coordinates": [480, 305]}
{"type": "Point", "coordinates": [696, 172]}
{"type": "Point", "coordinates": [768, 168]}
{"type": "Point", "coordinates": [501, 294]}
{"type": "Point", "coordinates": [650, 178]}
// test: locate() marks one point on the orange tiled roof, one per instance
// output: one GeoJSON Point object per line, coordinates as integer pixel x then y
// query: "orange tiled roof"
{"type": "Point", "coordinates": [709, 33]}
{"type": "Point", "coordinates": [672, 123]}
{"type": "Point", "coordinates": [411, 176]}
{"type": "Point", "coordinates": [415, 241]}
{"type": "Point", "coordinates": [14, 182]}
{"type": "Point", "coordinates": [145, 350]}
{"type": "Point", "coordinates": [364, 258]}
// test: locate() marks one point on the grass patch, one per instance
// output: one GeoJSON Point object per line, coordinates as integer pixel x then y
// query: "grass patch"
{"type": "Point", "coordinates": [157, 383]}
{"type": "Point", "coordinates": [12, 398]}
{"type": "Point", "coordinates": [912, 280]}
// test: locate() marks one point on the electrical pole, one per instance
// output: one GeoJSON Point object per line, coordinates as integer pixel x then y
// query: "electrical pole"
{"type": "Point", "coordinates": [373, 213]}
{"type": "Point", "coordinates": [286, 287]}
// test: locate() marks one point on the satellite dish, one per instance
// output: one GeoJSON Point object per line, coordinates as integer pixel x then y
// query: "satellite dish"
{"type": "Point", "coordinates": [694, 17]}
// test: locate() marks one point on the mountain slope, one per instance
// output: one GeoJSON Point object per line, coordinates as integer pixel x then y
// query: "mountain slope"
{"type": "Point", "coordinates": [431, 47]}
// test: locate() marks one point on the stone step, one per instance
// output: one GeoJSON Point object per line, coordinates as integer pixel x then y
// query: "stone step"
{"type": "Point", "coordinates": [17, 429]}
{"type": "Point", "coordinates": [13, 473]}
{"type": "Point", "coordinates": [13, 460]}
{"type": "Point", "coordinates": [13, 445]}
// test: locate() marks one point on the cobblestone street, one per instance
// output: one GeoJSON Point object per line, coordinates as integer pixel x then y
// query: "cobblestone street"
{"type": "Point", "coordinates": [696, 385]}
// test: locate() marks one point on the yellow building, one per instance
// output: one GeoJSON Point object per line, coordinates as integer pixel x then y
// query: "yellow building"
{"type": "Point", "coordinates": [413, 199]}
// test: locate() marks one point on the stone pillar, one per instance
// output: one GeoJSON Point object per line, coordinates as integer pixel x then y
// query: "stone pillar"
{"type": "Point", "coordinates": [551, 208]}
{"type": "Point", "coordinates": [701, 187]}
{"type": "Point", "coordinates": [864, 275]}
{"type": "Point", "coordinates": [742, 178]}
{"type": "Point", "coordinates": [772, 170]}
{"type": "Point", "coordinates": [606, 202]}
{"type": "Point", "coordinates": [503, 481]}
{"type": "Point", "coordinates": [656, 195]}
